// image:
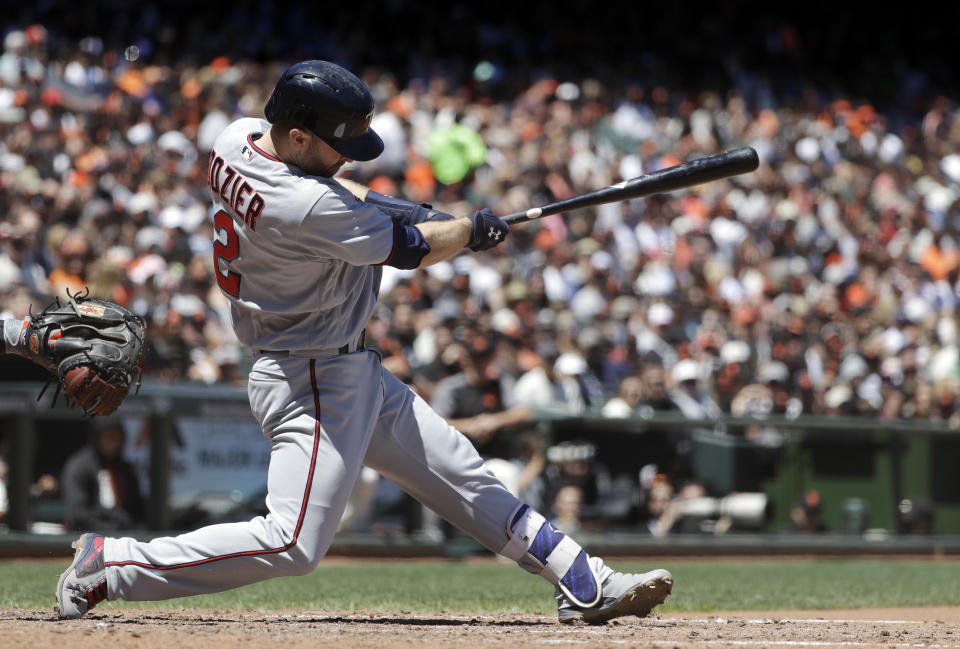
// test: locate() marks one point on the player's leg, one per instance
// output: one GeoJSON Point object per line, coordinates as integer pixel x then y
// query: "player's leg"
{"type": "Point", "coordinates": [319, 433]}
{"type": "Point", "coordinates": [415, 447]}
{"type": "Point", "coordinates": [443, 471]}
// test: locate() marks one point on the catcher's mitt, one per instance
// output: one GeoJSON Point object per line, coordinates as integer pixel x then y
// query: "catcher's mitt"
{"type": "Point", "coordinates": [94, 347]}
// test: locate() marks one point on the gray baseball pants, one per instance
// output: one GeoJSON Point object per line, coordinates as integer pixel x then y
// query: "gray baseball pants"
{"type": "Point", "coordinates": [325, 418]}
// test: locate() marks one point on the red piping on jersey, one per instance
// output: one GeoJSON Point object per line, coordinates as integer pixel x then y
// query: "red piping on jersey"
{"type": "Point", "coordinates": [303, 506]}
{"type": "Point", "coordinates": [261, 151]}
{"type": "Point", "coordinates": [394, 248]}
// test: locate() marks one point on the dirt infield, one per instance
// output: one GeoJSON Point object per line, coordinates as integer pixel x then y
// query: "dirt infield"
{"type": "Point", "coordinates": [937, 628]}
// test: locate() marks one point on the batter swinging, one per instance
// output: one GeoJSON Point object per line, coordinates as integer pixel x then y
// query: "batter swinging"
{"type": "Point", "coordinates": [299, 257]}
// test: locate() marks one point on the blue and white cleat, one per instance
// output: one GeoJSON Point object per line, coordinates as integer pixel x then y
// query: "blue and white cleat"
{"type": "Point", "coordinates": [84, 584]}
{"type": "Point", "coordinates": [623, 594]}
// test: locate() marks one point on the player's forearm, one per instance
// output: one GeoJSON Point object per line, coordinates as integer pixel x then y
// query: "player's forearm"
{"type": "Point", "coordinates": [406, 212]}
{"type": "Point", "coordinates": [446, 238]}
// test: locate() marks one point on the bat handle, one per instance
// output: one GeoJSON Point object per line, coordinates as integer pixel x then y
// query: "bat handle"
{"type": "Point", "coordinates": [520, 217]}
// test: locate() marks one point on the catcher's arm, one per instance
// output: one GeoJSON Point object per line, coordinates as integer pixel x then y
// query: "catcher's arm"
{"type": "Point", "coordinates": [34, 340]}
{"type": "Point", "coordinates": [94, 347]}
{"type": "Point", "coordinates": [14, 342]}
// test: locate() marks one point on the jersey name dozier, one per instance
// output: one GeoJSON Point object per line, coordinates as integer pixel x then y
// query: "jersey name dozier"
{"type": "Point", "coordinates": [234, 190]}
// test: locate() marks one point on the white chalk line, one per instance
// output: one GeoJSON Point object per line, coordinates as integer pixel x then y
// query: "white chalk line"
{"type": "Point", "coordinates": [665, 621]}
{"type": "Point", "coordinates": [592, 633]}
{"type": "Point", "coordinates": [735, 620]}
{"type": "Point", "coordinates": [750, 643]}
{"type": "Point", "coordinates": [813, 643]}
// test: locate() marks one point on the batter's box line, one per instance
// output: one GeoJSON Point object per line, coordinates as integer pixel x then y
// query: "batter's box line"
{"type": "Point", "coordinates": [812, 643]}
{"type": "Point", "coordinates": [407, 619]}
{"type": "Point", "coordinates": [756, 643]}
{"type": "Point", "coordinates": [819, 620]}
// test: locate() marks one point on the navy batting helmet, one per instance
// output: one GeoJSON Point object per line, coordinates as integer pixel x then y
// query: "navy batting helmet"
{"type": "Point", "coordinates": [329, 101]}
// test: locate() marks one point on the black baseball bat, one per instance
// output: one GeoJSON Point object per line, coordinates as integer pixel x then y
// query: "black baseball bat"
{"type": "Point", "coordinates": [687, 174]}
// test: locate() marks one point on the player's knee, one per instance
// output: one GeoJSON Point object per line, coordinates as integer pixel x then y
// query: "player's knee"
{"type": "Point", "coordinates": [301, 568]}
{"type": "Point", "coordinates": [303, 560]}
{"type": "Point", "coordinates": [306, 551]}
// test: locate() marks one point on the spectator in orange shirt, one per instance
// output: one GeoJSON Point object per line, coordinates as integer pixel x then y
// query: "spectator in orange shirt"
{"type": "Point", "coordinates": [939, 260]}
{"type": "Point", "coordinates": [70, 273]}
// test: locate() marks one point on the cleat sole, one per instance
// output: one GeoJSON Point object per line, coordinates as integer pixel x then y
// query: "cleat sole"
{"type": "Point", "coordinates": [638, 601]}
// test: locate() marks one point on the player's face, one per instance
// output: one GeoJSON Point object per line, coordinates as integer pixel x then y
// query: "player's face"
{"type": "Point", "coordinates": [317, 158]}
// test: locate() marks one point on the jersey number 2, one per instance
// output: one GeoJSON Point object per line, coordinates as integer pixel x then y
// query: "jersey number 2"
{"type": "Point", "coordinates": [227, 252]}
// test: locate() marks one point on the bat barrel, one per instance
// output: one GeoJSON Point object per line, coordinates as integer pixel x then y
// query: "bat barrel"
{"type": "Point", "coordinates": [687, 174]}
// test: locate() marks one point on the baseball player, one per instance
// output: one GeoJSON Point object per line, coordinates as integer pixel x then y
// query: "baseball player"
{"type": "Point", "coordinates": [299, 255]}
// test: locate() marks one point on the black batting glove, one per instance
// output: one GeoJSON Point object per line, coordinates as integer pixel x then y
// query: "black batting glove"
{"type": "Point", "coordinates": [488, 230]}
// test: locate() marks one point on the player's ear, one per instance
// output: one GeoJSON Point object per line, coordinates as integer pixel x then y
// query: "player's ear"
{"type": "Point", "coordinates": [298, 138]}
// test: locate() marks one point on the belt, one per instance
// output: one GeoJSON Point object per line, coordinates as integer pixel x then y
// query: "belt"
{"type": "Point", "coordinates": [355, 345]}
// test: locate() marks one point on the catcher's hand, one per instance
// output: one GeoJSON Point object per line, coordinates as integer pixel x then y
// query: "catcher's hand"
{"type": "Point", "coordinates": [94, 347]}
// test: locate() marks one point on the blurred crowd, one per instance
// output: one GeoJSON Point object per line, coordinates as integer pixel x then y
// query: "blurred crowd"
{"type": "Point", "coordinates": [824, 283]}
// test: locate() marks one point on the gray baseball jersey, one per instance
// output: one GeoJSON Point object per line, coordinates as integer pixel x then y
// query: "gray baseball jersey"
{"type": "Point", "coordinates": [296, 255]}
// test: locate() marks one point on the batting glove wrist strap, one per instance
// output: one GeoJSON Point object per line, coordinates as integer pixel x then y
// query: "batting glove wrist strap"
{"type": "Point", "coordinates": [488, 230]}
